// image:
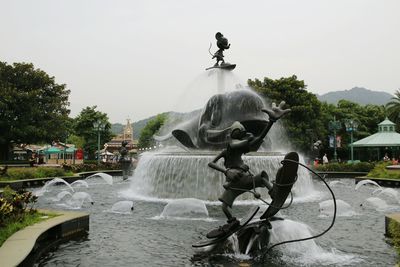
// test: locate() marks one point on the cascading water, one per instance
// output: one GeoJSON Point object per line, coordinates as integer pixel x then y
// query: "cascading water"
{"type": "Point", "coordinates": [182, 175]}
{"type": "Point", "coordinates": [307, 252]}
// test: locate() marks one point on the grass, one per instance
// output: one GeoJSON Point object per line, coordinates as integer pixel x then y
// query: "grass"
{"type": "Point", "coordinates": [29, 219]}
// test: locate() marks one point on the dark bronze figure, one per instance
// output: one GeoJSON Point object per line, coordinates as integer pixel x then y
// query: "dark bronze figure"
{"type": "Point", "coordinates": [239, 179]}
{"type": "Point", "coordinates": [210, 128]}
{"type": "Point", "coordinates": [222, 44]}
{"type": "Point", "coordinates": [125, 160]}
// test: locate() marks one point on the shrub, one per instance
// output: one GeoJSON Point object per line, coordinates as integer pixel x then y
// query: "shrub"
{"type": "Point", "coordinates": [91, 167]}
{"type": "Point", "coordinates": [21, 173]}
{"type": "Point", "coordinates": [39, 172]}
{"type": "Point", "coordinates": [14, 204]}
{"type": "Point", "coordinates": [346, 167]}
{"type": "Point", "coordinates": [49, 172]}
{"type": "Point", "coordinates": [380, 171]}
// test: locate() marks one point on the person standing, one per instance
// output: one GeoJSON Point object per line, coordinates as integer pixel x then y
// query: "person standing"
{"type": "Point", "coordinates": [325, 159]}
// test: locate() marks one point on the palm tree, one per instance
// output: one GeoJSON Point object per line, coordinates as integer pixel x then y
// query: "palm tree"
{"type": "Point", "coordinates": [393, 108]}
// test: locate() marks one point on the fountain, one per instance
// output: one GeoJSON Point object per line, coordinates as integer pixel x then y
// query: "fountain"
{"type": "Point", "coordinates": [235, 122]}
{"type": "Point", "coordinates": [176, 201]}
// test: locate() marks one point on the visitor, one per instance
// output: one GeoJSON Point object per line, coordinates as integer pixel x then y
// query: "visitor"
{"type": "Point", "coordinates": [32, 160]}
{"type": "Point", "coordinates": [316, 161]}
{"type": "Point", "coordinates": [394, 161]}
{"type": "Point", "coordinates": [325, 159]}
{"type": "Point", "coordinates": [386, 157]}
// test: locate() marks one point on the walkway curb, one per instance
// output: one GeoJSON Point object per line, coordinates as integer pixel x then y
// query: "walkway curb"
{"type": "Point", "coordinates": [24, 247]}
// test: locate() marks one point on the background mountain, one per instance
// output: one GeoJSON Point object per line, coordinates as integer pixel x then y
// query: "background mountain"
{"type": "Point", "coordinates": [358, 95]}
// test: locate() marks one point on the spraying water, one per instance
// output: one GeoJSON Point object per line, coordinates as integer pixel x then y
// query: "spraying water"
{"type": "Point", "coordinates": [123, 207]}
{"type": "Point", "coordinates": [376, 204]}
{"type": "Point", "coordinates": [366, 182]}
{"type": "Point", "coordinates": [106, 177]}
{"type": "Point", "coordinates": [391, 193]}
{"type": "Point", "coordinates": [343, 208]}
{"type": "Point", "coordinates": [62, 195]}
{"type": "Point", "coordinates": [306, 252]}
{"type": "Point", "coordinates": [77, 200]}
{"type": "Point", "coordinates": [187, 207]}
{"type": "Point", "coordinates": [49, 184]}
{"type": "Point", "coordinates": [80, 183]}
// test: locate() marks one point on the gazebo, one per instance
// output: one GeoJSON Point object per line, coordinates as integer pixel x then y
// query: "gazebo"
{"type": "Point", "coordinates": [386, 140]}
{"type": "Point", "coordinates": [55, 155]}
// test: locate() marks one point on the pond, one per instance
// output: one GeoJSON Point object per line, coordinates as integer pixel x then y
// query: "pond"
{"type": "Point", "coordinates": [143, 236]}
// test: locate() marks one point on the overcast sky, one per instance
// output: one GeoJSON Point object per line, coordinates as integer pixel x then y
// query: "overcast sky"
{"type": "Point", "coordinates": [134, 59]}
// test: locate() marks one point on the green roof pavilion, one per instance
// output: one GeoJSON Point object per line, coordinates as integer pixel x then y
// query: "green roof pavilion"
{"type": "Point", "coordinates": [386, 138]}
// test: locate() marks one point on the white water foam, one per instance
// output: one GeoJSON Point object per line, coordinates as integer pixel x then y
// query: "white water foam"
{"type": "Point", "coordinates": [343, 209]}
{"type": "Point", "coordinates": [122, 207]}
{"type": "Point", "coordinates": [306, 252]}
{"type": "Point", "coordinates": [169, 176]}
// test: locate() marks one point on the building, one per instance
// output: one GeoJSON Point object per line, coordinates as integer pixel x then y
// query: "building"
{"type": "Point", "coordinates": [116, 143]}
{"type": "Point", "coordinates": [385, 141]}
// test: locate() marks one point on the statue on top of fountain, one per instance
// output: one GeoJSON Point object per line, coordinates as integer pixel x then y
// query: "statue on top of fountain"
{"type": "Point", "coordinates": [222, 44]}
{"type": "Point", "coordinates": [239, 179]}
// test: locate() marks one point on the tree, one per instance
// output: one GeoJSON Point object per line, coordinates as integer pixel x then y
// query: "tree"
{"type": "Point", "coordinates": [393, 108]}
{"type": "Point", "coordinates": [33, 107]}
{"type": "Point", "coordinates": [78, 141]}
{"type": "Point", "coordinates": [151, 128]}
{"type": "Point", "coordinates": [305, 116]}
{"type": "Point", "coordinates": [83, 127]}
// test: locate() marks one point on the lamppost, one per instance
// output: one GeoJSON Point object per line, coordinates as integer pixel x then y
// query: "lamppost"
{"type": "Point", "coordinates": [351, 126]}
{"type": "Point", "coordinates": [65, 149]}
{"type": "Point", "coordinates": [334, 126]}
{"type": "Point", "coordinates": [99, 126]}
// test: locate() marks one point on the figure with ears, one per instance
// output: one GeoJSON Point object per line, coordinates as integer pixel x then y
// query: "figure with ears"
{"type": "Point", "coordinates": [237, 173]}
{"type": "Point", "coordinates": [222, 44]}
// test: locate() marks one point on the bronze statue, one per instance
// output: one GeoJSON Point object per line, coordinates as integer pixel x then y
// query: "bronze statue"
{"type": "Point", "coordinates": [210, 128]}
{"type": "Point", "coordinates": [238, 176]}
{"type": "Point", "coordinates": [222, 44]}
{"type": "Point", "coordinates": [125, 160]}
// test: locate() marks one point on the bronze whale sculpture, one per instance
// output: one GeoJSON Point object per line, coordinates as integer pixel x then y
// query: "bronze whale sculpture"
{"type": "Point", "coordinates": [211, 128]}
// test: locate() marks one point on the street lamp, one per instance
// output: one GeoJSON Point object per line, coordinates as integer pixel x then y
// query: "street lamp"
{"type": "Point", "coordinates": [99, 126]}
{"type": "Point", "coordinates": [351, 126]}
{"type": "Point", "coordinates": [65, 148]}
{"type": "Point", "coordinates": [334, 126]}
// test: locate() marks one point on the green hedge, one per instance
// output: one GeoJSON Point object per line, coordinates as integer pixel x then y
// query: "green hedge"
{"type": "Point", "coordinates": [90, 161]}
{"type": "Point", "coordinates": [75, 168]}
{"type": "Point", "coordinates": [14, 162]}
{"type": "Point", "coordinates": [346, 167]}
{"type": "Point", "coordinates": [30, 173]}
{"type": "Point", "coordinates": [380, 171]}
